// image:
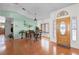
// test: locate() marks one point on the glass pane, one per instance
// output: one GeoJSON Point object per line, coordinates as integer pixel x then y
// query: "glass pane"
{"type": "Point", "coordinates": [74, 35]}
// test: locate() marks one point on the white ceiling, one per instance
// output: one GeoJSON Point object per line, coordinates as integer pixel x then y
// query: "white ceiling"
{"type": "Point", "coordinates": [42, 10]}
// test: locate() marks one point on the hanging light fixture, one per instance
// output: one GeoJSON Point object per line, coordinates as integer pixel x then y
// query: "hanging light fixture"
{"type": "Point", "coordinates": [24, 9]}
{"type": "Point", "coordinates": [35, 19]}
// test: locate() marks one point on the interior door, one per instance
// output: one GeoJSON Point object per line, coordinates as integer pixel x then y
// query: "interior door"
{"type": "Point", "coordinates": [63, 31]}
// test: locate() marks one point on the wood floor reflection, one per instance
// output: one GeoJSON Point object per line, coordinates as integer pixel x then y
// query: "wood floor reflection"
{"type": "Point", "coordinates": [31, 47]}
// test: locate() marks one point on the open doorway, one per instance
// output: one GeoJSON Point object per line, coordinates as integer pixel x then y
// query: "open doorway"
{"type": "Point", "coordinates": [2, 31]}
{"type": "Point", "coordinates": [6, 27]}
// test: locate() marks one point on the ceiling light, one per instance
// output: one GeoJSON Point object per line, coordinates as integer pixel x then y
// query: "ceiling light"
{"type": "Point", "coordinates": [35, 19]}
{"type": "Point", "coordinates": [23, 9]}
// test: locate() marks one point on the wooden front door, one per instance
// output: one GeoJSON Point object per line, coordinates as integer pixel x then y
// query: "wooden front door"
{"type": "Point", "coordinates": [63, 31]}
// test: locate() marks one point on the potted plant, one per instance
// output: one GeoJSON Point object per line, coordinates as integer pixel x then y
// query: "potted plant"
{"type": "Point", "coordinates": [22, 32]}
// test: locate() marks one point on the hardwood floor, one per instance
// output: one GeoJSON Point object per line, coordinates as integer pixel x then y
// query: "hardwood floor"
{"type": "Point", "coordinates": [31, 47]}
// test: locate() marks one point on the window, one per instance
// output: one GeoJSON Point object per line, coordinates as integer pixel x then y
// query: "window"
{"type": "Point", "coordinates": [45, 27]}
{"type": "Point", "coordinates": [74, 28]}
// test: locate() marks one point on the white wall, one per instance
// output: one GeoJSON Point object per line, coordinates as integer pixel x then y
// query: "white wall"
{"type": "Point", "coordinates": [8, 26]}
{"type": "Point", "coordinates": [73, 10]}
{"type": "Point", "coordinates": [52, 27]}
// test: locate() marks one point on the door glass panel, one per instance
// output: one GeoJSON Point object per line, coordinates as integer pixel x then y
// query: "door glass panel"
{"type": "Point", "coordinates": [62, 28]}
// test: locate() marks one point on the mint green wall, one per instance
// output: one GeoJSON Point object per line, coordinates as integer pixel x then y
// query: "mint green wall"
{"type": "Point", "coordinates": [18, 21]}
